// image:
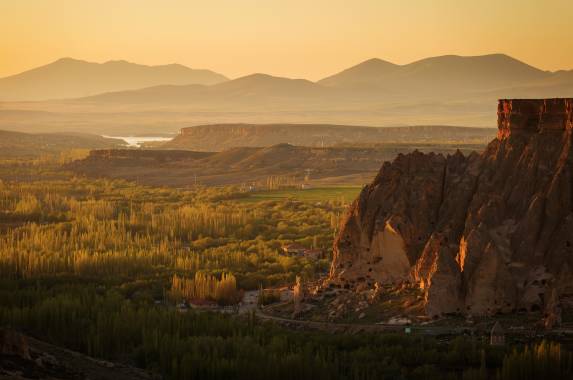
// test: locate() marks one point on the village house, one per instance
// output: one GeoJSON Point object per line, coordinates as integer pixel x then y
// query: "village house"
{"type": "Point", "coordinates": [182, 307]}
{"type": "Point", "coordinates": [202, 304]}
{"type": "Point", "coordinates": [295, 249]}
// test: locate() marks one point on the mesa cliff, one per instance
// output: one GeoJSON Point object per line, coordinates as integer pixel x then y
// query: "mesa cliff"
{"type": "Point", "coordinates": [218, 137]}
{"type": "Point", "coordinates": [478, 234]}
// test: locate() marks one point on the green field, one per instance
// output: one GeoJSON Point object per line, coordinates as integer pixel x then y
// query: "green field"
{"type": "Point", "coordinates": [319, 194]}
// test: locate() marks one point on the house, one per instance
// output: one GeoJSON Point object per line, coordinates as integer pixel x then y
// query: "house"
{"type": "Point", "coordinates": [294, 249]}
{"type": "Point", "coordinates": [182, 307]}
{"type": "Point", "coordinates": [497, 335]}
{"type": "Point", "coordinates": [203, 304]}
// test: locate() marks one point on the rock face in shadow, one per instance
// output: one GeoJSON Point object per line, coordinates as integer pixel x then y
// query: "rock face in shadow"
{"type": "Point", "coordinates": [14, 343]}
{"type": "Point", "coordinates": [480, 234]}
{"type": "Point", "coordinates": [25, 358]}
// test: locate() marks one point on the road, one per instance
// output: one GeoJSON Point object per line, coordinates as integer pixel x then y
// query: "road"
{"type": "Point", "coordinates": [249, 304]}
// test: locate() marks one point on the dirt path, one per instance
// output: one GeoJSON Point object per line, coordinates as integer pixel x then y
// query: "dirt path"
{"type": "Point", "coordinates": [356, 327]}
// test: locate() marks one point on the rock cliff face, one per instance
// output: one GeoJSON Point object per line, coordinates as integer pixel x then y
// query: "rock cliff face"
{"type": "Point", "coordinates": [219, 137]}
{"type": "Point", "coordinates": [479, 234]}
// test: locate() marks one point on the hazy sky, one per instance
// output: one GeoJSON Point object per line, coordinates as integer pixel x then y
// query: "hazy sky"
{"type": "Point", "coordinates": [294, 38]}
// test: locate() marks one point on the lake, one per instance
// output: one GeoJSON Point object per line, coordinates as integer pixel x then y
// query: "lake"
{"type": "Point", "coordinates": [137, 141]}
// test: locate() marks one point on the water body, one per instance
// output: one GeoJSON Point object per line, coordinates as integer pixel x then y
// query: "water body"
{"type": "Point", "coordinates": [137, 141]}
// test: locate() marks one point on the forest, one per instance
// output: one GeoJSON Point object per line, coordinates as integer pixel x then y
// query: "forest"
{"type": "Point", "coordinates": [98, 266]}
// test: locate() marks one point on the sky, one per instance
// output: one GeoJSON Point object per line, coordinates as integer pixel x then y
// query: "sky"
{"type": "Point", "coordinates": [293, 38]}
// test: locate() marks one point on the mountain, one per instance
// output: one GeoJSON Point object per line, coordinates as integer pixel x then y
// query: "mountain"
{"type": "Point", "coordinates": [477, 234]}
{"type": "Point", "coordinates": [446, 90]}
{"type": "Point", "coordinates": [268, 85]}
{"type": "Point", "coordinates": [71, 78]}
{"type": "Point", "coordinates": [439, 75]}
{"type": "Point", "coordinates": [367, 74]}
{"type": "Point", "coordinates": [367, 86]}
{"type": "Point", "coordinates": [251, 88]}
{"type": "Point", "coordinates": [161, 94]}
{"type": "Point", "coordinates": [219, 137]}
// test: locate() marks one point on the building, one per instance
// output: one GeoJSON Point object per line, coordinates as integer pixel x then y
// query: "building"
{"type": "Point", "coordinates": [294, 249]}
{"type": "Point", "coordinates": [202, 304]}
{"type": "Point", "coordinates": [182, 307]}
{"type": "Point", "coordinates": [497, 335]}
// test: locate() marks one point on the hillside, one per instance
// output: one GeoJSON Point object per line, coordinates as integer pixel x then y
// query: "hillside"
{"type": "Point", "coordinates": [24, 145]}
{"type": "Point", "coordinates": [479, 234]}
{"type": "Point", "coordinates": [224, 136]}
{"type": "Point", "coordinates": [25, 358]}
{"type": "Point", "coordinates": [71, 78]}
{"type": "Point", "coordinates": [252, 88]}
{"type": "Point", "coordinates": [241, 165]}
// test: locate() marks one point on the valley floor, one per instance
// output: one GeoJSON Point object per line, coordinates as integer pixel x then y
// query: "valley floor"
{"type": "Point", "coordinates": [131, 274]}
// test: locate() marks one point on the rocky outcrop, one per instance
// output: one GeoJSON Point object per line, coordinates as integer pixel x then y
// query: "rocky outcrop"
{"type": "Point", "coordinates": [25, 358]}
{"type": "Point", "coordinates": [479, 234]}
{"type": "Point", "coordinates": [14, 343]}
{"type": "Point", "coordinates": [219, 137]}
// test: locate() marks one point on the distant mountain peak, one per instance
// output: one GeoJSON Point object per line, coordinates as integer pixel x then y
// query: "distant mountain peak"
{"type": "Point", "coordinates": [120, 62]}
{"type": "Point", "coordinates": [258, 76]}
{"type": "Point", "coordinates": [67, 60]}
{"type": "Point", "coordinates": [266, 77]}
{"type": "Point", "coordinates": [73, 78]}
{"type": "Point", "coordinates": [361, 73]}
{"type": "Point", "coordinates": [375, 62]}
{"type": "Point", "coordinates": [266, 80]}
{"type": "Point", "coordinates": [497, 70]}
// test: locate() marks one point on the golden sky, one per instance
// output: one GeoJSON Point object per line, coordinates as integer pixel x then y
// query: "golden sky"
{"type": "Point", "coordinates": [295, 38]}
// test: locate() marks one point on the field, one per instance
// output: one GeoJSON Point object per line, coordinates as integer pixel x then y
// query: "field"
{"type": "Point", "coordinates": [344, 194]}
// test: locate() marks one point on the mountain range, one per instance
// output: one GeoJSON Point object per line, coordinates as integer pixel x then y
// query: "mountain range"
{"type": "Point", "coordinates": [437, 78]}
{"type": "Point", "coordinates": [72, 78]}
{"type": "Point", "coordinates": [445, 72]}
{"type": "Point", "coordinates": [120, 97]}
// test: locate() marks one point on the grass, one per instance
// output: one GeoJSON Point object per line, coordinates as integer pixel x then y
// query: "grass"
{"type": "Point", "coordinates": [319, 194]}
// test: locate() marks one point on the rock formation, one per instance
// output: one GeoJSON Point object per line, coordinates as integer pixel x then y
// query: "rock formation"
{"type": "Point", "coordinates": [14, 343]}
{"type": "Point", "coordinates": [219, 137]}
{"type": "Point", "coordinates": [479, 234]}
{"type": "Point", "coordinates": [26, 358]}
